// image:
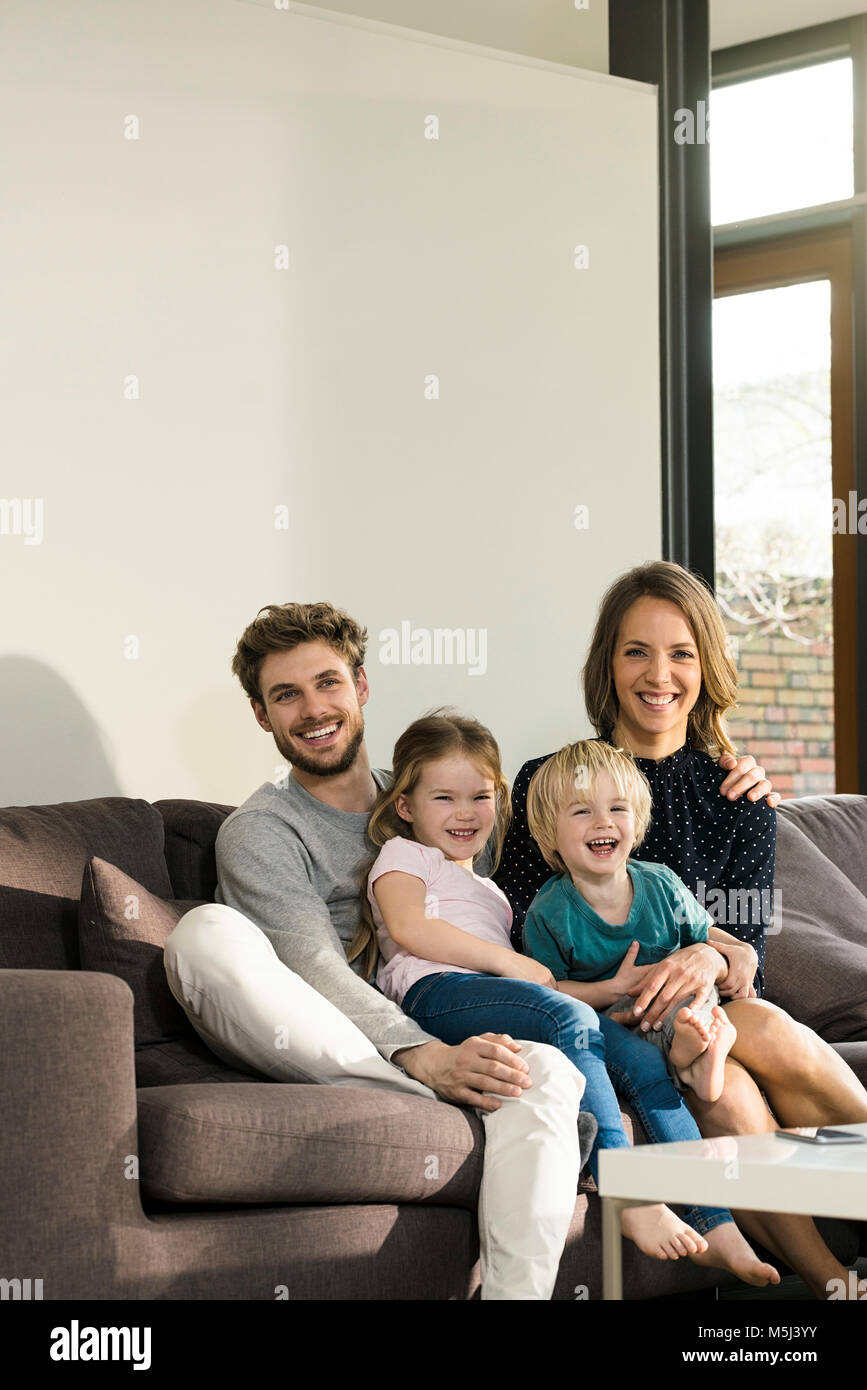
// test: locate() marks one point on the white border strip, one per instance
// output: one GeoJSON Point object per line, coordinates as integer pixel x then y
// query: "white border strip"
{"type": "Point", "coordinates": [503, 55]}
{"type": "Point", "coordinates": [774, 219]}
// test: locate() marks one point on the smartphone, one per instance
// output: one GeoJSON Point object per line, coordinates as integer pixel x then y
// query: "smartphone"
{"type": "Point", "coordinates": [825, 1136]}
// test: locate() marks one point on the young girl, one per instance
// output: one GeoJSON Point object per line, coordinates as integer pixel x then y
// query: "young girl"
{"type": "Point", "coordinates": [446, 957]}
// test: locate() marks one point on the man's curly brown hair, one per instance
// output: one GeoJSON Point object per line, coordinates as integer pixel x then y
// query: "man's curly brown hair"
{"type": "Point", "coordinates": [279, 627]}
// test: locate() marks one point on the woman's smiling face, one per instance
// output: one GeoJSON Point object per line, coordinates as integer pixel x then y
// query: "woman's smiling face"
{"type": "Point", "coordinates": [657, 676]}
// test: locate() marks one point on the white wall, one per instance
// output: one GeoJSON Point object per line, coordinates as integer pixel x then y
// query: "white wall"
{"type": "Point", "coordinates": [262, 388]}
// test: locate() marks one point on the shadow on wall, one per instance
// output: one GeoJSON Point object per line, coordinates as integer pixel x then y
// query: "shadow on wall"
{"type": "Point", "coordinates": [50, 748]}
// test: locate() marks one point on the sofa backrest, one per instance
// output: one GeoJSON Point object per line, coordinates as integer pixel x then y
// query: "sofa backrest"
{"type": "Point", "coordinates": [816, 956]}
{"type": "Point", "coordinates": [43, 852]}
{"type": "Point", "coordinates": [837, 825]}
{"type": "Point", "coordinates": [191, 829]}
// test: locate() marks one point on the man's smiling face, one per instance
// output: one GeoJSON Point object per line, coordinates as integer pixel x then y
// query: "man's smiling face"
{"type": "Point", "coordinates": [313, 708]}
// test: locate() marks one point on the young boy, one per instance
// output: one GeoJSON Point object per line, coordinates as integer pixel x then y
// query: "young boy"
{"type": "Point", "coordinates": [605, 916]}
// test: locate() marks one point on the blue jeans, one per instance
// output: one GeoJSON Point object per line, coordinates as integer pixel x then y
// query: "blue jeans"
{"type": "Point", "coordinates": [453, 1006]}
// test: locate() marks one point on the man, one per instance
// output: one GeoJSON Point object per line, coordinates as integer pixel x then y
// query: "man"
{"type": "Point", "coordinates": [264, 977]}
{"type": "Point", "coordinates": [263, 973]}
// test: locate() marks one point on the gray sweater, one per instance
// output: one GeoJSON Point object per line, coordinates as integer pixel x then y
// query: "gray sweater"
{"type": "Point", "coordinates": [292, 865]}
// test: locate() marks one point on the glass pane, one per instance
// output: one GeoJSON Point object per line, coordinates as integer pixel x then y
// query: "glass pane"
{"type": "Point", "coordinates": [781, 142]}
{"type": "Point", "coordinates": [773, 506]}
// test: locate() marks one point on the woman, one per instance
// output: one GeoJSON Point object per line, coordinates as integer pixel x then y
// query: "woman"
{"type": "Point", "coordinates": [658, 681]}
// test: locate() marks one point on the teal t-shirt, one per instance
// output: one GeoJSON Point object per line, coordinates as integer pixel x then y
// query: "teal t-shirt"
{"type": "Point", "coordinates": [563, 932]}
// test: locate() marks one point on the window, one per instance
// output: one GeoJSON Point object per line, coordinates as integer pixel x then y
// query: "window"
{"type": "Point", "coordinates": [780, 142]}
{"type": "Point", "coordinates": [783, 427]}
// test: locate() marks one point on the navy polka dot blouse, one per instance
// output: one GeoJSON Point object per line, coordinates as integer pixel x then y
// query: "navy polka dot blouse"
{"type": "Point", "coordinates": [712, 843]}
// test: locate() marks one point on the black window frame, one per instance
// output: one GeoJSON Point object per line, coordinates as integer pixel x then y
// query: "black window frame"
{"type": "Point", "coordinates": [667, 42]}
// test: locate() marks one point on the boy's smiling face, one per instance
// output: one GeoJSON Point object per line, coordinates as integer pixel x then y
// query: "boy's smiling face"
{"type": "Point", "coordinates": [596, 832]}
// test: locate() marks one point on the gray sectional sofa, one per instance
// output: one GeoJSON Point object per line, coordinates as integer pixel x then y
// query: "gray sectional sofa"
{"type": "Point", "coordinates": [135, 1165]}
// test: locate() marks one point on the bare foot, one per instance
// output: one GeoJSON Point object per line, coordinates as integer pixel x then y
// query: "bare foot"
{"type": "Point", "coordinates": [727, 1249]}
{"type": "Point", "coordinates": [706, 1074]}
{"type": "Point", "coordinates": [659, 1233]}
{"type": "Point", "coordinates": [691, 1038]}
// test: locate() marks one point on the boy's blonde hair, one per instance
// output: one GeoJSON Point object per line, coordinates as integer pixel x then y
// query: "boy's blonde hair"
{"type": "Point", "coordinates": [571, 775]}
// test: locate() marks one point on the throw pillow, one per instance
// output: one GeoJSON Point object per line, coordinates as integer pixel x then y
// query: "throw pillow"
{"type": "Point", "coordinates": [122, 929]}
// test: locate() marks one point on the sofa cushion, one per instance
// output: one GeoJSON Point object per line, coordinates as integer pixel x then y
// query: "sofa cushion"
{"type": "Point", "coordinates": [836, 825]}
{"type": "Point", "coordinates": [273, 1142]}
{"type": "Point", "coordinates": [191, 829]}
{"type": "Point", "coordinates": [185, 1061]}
{"type": "Point", "coordinates": [816, 964]}
{"type": "Point", "coordinates": [122, 929]}
{"type": "Point", "coordinates": [43, 851]}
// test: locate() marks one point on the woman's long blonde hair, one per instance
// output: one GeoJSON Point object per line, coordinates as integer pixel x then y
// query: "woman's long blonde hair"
{"type": "Point", "coordinates": [719, 678]}
{"type": "Point", "coordinates": [439, 734]}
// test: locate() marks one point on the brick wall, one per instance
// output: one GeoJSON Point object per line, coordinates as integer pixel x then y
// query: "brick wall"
{"type": "Point", "coordinates": [785, 713]}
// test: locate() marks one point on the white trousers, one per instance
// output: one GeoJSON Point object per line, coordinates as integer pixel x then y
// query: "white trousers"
{"type": "Point", "coordinates": [251, 1008]}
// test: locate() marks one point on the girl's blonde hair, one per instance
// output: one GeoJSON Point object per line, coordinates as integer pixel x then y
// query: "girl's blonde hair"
{"type": "Point", "coordinates": [571, 775]}
{"type": "Point", "coordinates": [719, 678]}
{"type": "Point", "coordinates": [439, 734]}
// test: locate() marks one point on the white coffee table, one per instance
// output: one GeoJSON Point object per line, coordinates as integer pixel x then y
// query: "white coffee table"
{"type": "Point", "coordinates": [756, 1172]}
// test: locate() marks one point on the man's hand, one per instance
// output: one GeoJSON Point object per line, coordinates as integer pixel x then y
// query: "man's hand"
{"type": "Point", "coordinates": [691, 970]}
{"type": "Point", "coordinates": [746, 776]}
{"type": "Point", "coordinates": [461, 1074]}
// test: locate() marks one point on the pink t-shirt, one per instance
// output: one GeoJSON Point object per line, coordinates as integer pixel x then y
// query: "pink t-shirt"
{"type": "Point", "coordinates": [476, 905]}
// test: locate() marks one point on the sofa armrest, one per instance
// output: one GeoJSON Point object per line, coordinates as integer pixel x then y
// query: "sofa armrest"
{"type": "Point", "coordinates": [68, 1138]}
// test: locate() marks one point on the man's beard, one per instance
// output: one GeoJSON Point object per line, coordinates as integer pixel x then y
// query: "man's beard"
{"type": "Point", "coordinates": [315, 767]}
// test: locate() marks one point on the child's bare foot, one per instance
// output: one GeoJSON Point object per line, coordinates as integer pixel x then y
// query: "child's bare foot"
{"type": "Point", "coordinates": [727, 1249]}
{"type": "Point", "coordinates": [659, 1233]}
{"type": "Point", "coordinates": [706, 1073]}
{"type": "Point", "coordinates": [691, 1038]}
